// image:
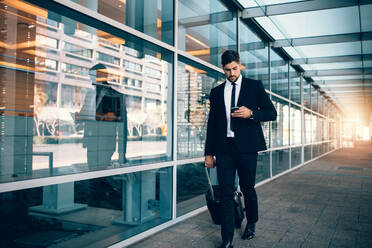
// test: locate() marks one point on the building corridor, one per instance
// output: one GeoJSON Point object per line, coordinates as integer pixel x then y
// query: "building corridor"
{"type": "Point", "coordinates": [326, 203]}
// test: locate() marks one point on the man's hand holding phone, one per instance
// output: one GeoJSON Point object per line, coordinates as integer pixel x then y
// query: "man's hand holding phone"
{"type": "Point", "coordinates": [241, 112]}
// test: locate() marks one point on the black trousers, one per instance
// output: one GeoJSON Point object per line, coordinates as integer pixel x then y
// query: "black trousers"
{"type": "Point", "coordinates": [227, 165]}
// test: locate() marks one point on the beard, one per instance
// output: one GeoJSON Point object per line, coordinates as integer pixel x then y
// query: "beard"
{"type": "Point", "coordinates": [232, 79]}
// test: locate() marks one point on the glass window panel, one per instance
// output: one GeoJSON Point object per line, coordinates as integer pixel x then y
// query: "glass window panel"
{"type": "Point", "coordinates": [307, 95]}
{"type": "Point", "coordinates": [254, 56]}
{"type": "Point", "coordinates": [307, 151]}
{"type": "Point", "coordinates": [367, 46]}
{"type": "Point", "coordinates": [308, 127]}
{"type": "Point", "coordinates": [311, 23]}
{"type": "Point", "coordinates": [314, 128]}
{"type": "Point", "coordinates": [206, 29]}
{"type": "Point", "coordinates": [296, 156]}
{"type": "Point", "coordinates": [296, 121]}
{"type": "Point", "coordinates": [45, 41]}
{"type": "Point", "coordinates": [365, 14]}
{"type": "Point", "coordinates": [335, 49]}
{"type": "Point", "coordinates": [248, 3]}
{"type": "Point", "coordinates": [263, 166]}
{"type": "Point", "coordinates": [316, 150]}
{"type": "Point", "coordinates": [271, 2]}
{"type": "Point", "coordinates": [71, 104]}
{"type": "Point", "coordinates": [293, 52]}
{"type": "Point", "coordinates": [255, 3]}
{"type": "Point", "coordinates": [280, 127]}
{"type": "Point", "coordinates": [270, 27]}
{"type": "Point", "coordinates": [108, 58]}
{"type": "Point", "coordinates": [320, 129]}
{"type": "Point", "coordinates": [280, 161]}
{"type": "Point", "coordinates": [192, 184]}
{"type": "Point", "coordinates": [279, 75]}
{"type": "Point", "coordinates": [325, 130]}
{"type": "Point", "coordinates": [314, 99]}
{"type": "Point", "coordinates": [320, 104]}
{"type": "Point", "coordinates": [77, 50]}
{"type": "Point", "coordinates": [331, 130]}
{"type": "Point", "coordinates": [345, 77]}
{"type": "Point", "coordinates": [294, 86]}
{"type": "Point", "coordinates": [97, 212]}
{"type": "Point", "coordinates": [194, 86]}
{"type": "Point", "coordinates": [331, 66]}
{"type": "Point", "coordinates": [307, 67]}
{"type": "Point", "coordinates": [367, 63]}
{"type": "Point", "coordinates": [266, 131]}
{"type": "Point", "coordinates": [154, 18]}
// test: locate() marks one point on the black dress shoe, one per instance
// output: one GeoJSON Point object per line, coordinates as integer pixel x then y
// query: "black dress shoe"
{"type": "Point", "coordinates": [226, 245]}
{"type": "Point", "coordinates": [249, 232]}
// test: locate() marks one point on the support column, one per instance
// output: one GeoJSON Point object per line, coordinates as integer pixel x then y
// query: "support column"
{"type": "Point", "coordinates": [139, 195]}
{"type": "Point", "coordinates": [58, 199]}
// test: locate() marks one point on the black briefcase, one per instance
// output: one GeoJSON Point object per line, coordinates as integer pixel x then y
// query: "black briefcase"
{"type": "Point", "coordinates": [214, 204]}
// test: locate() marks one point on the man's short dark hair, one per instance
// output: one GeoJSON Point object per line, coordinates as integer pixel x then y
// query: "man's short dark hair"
{"type": "Point", "coordinates": [230, 56]}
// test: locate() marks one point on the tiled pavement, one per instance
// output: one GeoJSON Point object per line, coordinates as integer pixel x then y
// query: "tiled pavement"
{"type": "Point", "coordinates": [326, 203]}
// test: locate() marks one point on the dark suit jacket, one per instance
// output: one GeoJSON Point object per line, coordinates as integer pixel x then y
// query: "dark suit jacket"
{"type": "Point", "coordinates": [248, 132]}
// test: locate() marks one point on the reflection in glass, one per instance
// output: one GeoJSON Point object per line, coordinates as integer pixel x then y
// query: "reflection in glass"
{"type": "Point", "coordinates": [319, 129]}
{"type": "Point", "coordinates": [320, 104]}
{"type": "Point", "coordinates": [314, 126]}
{"type": "Point", "coordinates": [104, 117]}
{"type": "Point", "coordinates": [294, 86]}
{"type": "Point", "coordinates": [280, 127]}
{"type": "Point", "coordinates": [332, 130]}
{"type": "Point", "coordinates": [191, 186]}
{"type": "Point", "coordinates": [69, 86]}
{"type": "Point", "coordinates": [307, 95]}
{"type": "Point", "coordinates": [254, 56]}
{"type": "Point", "coordinates": [98, 211]}
{"type": "Point", "coordinates": [296, 121]}
{"type": "Point", "coordinates": [315, 150]}
{"type": "Point", "coordinates": [193, 91]}
{"type": "Point", "coordinates": [206, 29]}
{"type": "Point", "coordinates": [307, 153]}
{"type": "Point", "coordinates": [154, 18]}
{"type": "Point", "coordinates": [263, 166]}
{"type": "Point", "coordinates": [279, 75]}
{"type": "Point", "coordinates": [280, 160]}
{"type": "Point", "coordinates": [296, 158]}
{"type": "Point", "coordinates": [314, 99]}
{"type": "Point", "coordinates": [266, 131]}
{"type": "Point", "coordinates": [308, 127]}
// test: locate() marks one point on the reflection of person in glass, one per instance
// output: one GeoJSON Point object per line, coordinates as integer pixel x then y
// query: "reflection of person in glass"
{"type": "Point", "coordinates": [105, 120]}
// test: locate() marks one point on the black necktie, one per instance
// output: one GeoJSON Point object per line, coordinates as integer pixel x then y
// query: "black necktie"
{"type": "Point", "coordinates": [232, 105]}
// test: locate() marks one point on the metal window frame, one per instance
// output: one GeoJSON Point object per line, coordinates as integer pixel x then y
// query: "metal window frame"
{"type": "Point", "coordinates": [297, 7]}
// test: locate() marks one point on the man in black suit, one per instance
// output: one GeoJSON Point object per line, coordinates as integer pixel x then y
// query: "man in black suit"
{"type": "Point", "coordinates": [234, 136]}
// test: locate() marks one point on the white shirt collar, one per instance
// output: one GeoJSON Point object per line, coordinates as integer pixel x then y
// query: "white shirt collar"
{"type": "Point", "coordinates": [238, 82]}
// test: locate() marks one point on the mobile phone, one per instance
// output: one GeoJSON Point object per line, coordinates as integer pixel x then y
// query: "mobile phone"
{"type": "Point", "coordinates": [233, 109]}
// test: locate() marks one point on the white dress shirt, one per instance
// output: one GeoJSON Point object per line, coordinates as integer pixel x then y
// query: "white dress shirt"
{"type": "Point", "coordinates": [227, 96]}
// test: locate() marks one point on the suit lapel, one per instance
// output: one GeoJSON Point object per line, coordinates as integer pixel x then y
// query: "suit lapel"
{"type": "Point", "coordinates": [221, 95]}
{"type": "Point", "coordinates": [243, 88]}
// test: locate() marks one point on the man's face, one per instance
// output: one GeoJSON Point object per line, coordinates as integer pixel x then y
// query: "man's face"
{"type": "Point", "coordinates": [232, 71]}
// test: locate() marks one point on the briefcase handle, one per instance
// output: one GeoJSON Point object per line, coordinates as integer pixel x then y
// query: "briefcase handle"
{"type": "Point", "coordinates": [209, 182]}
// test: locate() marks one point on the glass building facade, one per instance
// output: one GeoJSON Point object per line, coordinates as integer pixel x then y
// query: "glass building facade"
{"type": "Point", "coordinates": [103, 111]}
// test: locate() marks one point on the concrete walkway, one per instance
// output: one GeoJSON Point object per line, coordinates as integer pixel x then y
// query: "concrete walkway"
{"type": "Point", "coordinates": [326, 203]}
